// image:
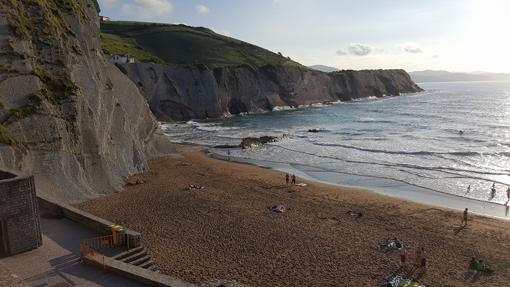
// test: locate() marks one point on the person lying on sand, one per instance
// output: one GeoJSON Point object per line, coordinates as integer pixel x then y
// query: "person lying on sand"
{"type": "Point", "coordinates": [354, 215]}
{"type": "Point", "coordinates": [279, 209]}
{"type": "Point", "coordinates": [194, 187]}
{"type": "Point", "coordinates": [478, 265]}
{"type": "Point", "coordinates": [391, 245]}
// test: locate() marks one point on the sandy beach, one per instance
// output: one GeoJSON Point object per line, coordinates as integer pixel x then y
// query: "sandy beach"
{"type": "Point", "coordinates": [226, 231]}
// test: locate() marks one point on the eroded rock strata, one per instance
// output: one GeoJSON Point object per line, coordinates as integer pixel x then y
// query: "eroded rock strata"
{"type": "Point", "coordinates": [181, 93]}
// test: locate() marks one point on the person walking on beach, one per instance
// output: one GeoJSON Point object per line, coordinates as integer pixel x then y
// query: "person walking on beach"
{"type": "Point", "coordinates": [493, 191]}
{"type": "Point", "coordinates": [508, 194]}
{"type": "Point", "coordinates": [465, 217]}
{"type": "Point", "coordinates": [293, 179]}
{"type": "Point", "coordinates": [468, 189]}
{"type": "Point", "coordinates": [287, 178]}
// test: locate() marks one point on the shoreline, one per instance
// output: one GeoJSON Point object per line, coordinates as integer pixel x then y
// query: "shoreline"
{"type": "Point", "coordinates": [386, 187]}
{"type": "Point", "coordinates": [226, 231]}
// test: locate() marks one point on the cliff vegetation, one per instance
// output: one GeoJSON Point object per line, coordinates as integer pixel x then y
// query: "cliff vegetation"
{"type": "Point", "coordinates": [184, 45]}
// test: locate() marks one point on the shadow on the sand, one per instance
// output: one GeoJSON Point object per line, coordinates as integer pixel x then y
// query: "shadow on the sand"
{"type": "Point", "coordinates": [457, 230]}
{"type": "Point", "coordinates": [472, 276]}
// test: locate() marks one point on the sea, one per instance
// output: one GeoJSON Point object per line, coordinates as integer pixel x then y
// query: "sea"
{"type": "Point", "coordinates": [427, 147]}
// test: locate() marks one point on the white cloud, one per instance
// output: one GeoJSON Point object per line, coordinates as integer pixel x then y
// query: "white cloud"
{"type": "Point", "coordinates": [341, 52]}
{"type": "Point", "coordinates": [147, 8]}
{"type": "Point", "coordinates": [108, 4]}
{"type": "Point", "coordinates": [202, 9]}
{"type": "Point", "coordinates": [359, 49]}
{"type": "Point", "coordinates": [410, 47]}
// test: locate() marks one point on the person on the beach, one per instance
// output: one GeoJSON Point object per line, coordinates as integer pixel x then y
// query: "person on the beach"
{"type": "Point", "coordinates": [493, 192]}
{"type": "Point", "coordinates": [468, 188]}
{"type": "Point", "coordinates": [465, 218]}
{"type": "Point", "coordinates": [508, 193]}
{"type": "Point", "coordinates": [293, 179]}
{"type": "Point", "coordinates": [472, 266]}
{"type": "Point", "coordinates": [286, 178]}
{"type": "Point", "coordinates": [420, 253]}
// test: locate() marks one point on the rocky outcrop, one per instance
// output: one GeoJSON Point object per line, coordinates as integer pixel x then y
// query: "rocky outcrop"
{"type": "Point", "coordinates": [68, 116]}
{"type": "Point", "coordinates": [251, 141]}
{"type": "Point", "coordinates": [181, 93]}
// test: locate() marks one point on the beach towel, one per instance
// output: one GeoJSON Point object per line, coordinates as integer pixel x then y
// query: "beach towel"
{"type": "Point", "coordinates": [392, 281]}
{"type": "Point", "coordinates": [301, 184]}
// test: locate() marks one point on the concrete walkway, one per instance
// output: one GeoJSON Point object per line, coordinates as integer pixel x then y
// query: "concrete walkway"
{"type": "Point", "coordinates": [57, 261]}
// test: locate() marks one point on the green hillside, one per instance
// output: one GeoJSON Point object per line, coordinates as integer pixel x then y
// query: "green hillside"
{"type": "Point", "coordinates": [181, 44]}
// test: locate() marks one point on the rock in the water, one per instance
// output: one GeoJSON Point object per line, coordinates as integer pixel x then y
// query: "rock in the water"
{"type": "Point", "coordinates": [316, 130]}
{"type": "Point", "coordinates": [251, 141]}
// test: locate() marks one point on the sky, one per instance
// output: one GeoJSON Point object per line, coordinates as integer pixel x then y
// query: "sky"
{"type": "Point", "coordinates": [453, 35]}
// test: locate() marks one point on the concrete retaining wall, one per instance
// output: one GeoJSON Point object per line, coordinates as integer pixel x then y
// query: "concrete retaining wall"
{"type": "Point", "coordinates": [134, 272]}
{"type": "Point", "coordinates": [100, 225]}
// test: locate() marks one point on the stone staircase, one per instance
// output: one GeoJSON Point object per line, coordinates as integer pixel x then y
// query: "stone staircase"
{"type": "Point", "coordinates": [138, 257]}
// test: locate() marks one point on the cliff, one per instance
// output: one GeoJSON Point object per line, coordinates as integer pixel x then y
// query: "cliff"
{"type": "Point", "coordinates": [67, 115]}
{"type": "Point", "coordinates": [177, 92]}
{"type": "Point", "coordinates": [192, 72]}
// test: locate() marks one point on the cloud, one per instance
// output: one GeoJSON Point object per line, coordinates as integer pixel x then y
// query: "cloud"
{"type": "Point", "coordinates": [341, 52]}
{"type": "Point", "coordinates": [147, 8]}
{"type": "Point", "coordinates": [359, 49]}
{"type": "Point", "coordinates": [202, 9]}
{"type": "Point", "coordinates": [435, 56]}
{"type": "Point", "coordinates": [108, 4]}
{"type": "Point", "coordinates": [411, 47]}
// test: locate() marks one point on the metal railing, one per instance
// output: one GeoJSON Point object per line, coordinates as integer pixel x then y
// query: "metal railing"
{"type": "Point", "coordinates": [98, 244]}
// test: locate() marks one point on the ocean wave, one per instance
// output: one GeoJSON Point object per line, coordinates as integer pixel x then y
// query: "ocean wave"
{"type": "Point", "coordinates": [372, 120]}
{"type": "Point", "coordinates": [283, 108]}
{"type": "Point", "coordinates": [425, 153]}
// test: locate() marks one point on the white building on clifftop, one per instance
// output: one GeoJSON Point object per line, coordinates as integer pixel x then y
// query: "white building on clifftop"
{"type": "Point", "coordinates": [122, 59]}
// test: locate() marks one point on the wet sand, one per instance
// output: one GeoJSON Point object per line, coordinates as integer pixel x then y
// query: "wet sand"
{"type": "Point", "coordinates": [225, 231]}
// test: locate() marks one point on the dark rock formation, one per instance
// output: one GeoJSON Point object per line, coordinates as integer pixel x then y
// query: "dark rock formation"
{"type": "Point", "coordinates": [251, 142]}
{"type": "Point", "coordinates": [181, 93]}
{"type": "Point", "coordinates": [68, 116]}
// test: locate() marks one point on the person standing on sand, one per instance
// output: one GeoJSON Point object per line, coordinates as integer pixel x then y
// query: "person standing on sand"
{"type": "Point", "coordinates": [508, 193]}
{"type": "Point", "coordinates": [287, 178]}
{"type": "Point", "coordinates": [465, 218]}
{"type": "Point", "coordinates": [293, 179]}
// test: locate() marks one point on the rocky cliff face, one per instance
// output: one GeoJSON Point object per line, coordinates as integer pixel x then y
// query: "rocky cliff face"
{"type": "Point", "coordinates": [68, 116]}
{"type": "Point", "coordinates": [181, 93]}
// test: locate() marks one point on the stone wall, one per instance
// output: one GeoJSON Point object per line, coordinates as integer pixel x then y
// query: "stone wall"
{"type": "Point", "coordinates": [19, 215]}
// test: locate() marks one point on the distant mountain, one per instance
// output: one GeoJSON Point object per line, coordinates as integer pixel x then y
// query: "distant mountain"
{"type": "Point", "coordinates": [445, 76]}
{"type": "Point", "coordinates": [323, 68]}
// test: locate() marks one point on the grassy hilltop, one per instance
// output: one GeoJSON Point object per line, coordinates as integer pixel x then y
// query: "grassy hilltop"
{"type": "Point", "coordinates": [181, 44]}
